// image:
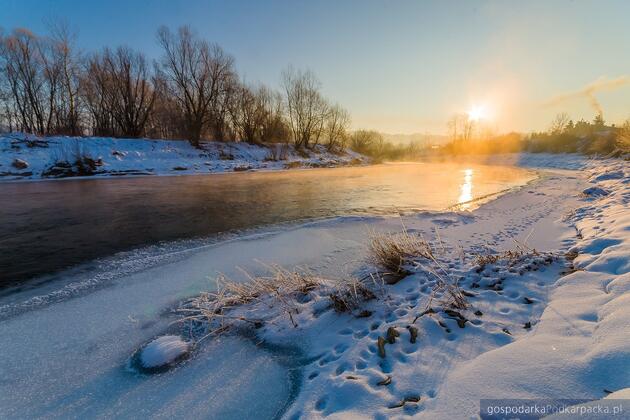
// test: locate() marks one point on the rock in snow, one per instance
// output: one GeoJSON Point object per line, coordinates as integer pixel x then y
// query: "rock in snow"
{"type": "Point", "coordinates": [162, 351]}
{"type": "Point", "coordinates": [19, 164]}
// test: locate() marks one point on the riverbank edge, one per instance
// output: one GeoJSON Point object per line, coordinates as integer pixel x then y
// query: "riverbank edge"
{"type": "Point", "coordinates": [29, 158]}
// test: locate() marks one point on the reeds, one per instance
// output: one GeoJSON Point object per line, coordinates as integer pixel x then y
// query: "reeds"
{"type": "Point", "coordinates": [392, 253]}
{"type": "Point", "coordinates": [261, 299]}
{"type": "Point", "coordinates": [396, 255]}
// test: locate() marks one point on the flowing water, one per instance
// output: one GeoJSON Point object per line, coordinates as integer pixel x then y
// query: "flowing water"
{"type": "Point", "coordinates": [49, 226]}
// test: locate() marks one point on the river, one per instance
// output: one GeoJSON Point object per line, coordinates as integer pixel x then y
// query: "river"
{"type": "Point", "coordinates": [48, 226]}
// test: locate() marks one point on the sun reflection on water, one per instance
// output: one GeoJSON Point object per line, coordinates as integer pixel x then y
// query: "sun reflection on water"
{"type": "Point", "coordinates": [465, 195]}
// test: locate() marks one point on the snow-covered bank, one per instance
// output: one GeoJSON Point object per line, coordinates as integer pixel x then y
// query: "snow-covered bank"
{"type": "Point", "coordinates": [548, 322]}
{"type": "Point", "coordinates": [580, 347]}
{"type": "Point", "coordinates": [572, 161]}
{"type": "Point", "coordinates": [349, 377]}
{"type": "Point", "coordinates": [28, 157]}
{"type": "Point", "coordinates": [551, 331]}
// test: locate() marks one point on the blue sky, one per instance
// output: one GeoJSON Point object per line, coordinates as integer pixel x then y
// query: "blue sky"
{"type": "Point", "coordinates": [398, 66]}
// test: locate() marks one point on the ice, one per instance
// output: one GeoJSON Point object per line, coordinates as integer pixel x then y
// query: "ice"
{"type": "Point", "coordinates": [69, 357]}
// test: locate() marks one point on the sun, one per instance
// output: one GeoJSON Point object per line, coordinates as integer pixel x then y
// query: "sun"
{"type": "Point", "coordinates": [477, 112]}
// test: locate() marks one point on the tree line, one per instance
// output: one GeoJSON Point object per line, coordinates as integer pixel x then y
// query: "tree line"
{"type": "Point", "coordinates": [564, 135]}
{"type": "Point", "coordinates": [192, 91]}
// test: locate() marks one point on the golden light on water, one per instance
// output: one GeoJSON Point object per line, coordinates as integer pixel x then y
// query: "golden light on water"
{"type": "Point", "coordinates": [465, 190]}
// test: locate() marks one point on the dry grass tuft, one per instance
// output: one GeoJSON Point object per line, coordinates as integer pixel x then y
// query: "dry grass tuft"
{"type": "Point", "coordinates": [392, 252]}
{"type": "Point", "coordinates": [263, 299]}
{"type": "Point", "coordinates": [351, 295]}
{"type": "Point", "coordinates": [400, 254]}
{"type": "Point", "coordinates": [217, 311]}
{"type": "Point", "coordinates": [511, 256]}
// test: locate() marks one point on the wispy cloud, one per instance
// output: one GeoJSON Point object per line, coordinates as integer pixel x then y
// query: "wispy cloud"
{"type": "Point", "coordinates": [588, 92]}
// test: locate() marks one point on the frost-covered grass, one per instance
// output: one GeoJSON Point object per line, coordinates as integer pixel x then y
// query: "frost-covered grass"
{"type": "Point", "coordinates": [267, 299]}
{"type": "Point", "coordinates": [220, 310]}
{"type": "Point", "coordinates": [28, 157]}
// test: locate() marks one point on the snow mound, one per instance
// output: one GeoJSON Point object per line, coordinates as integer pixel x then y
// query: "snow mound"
{"type": "Point", "coordinates": [162, 351]}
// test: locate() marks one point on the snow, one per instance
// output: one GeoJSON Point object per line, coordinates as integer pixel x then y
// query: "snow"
{"type": "Point", "coordinates": [163, 351]}
{"type": "Point", "coordinates": [565, 161]}
{"type": "Point", "coordinates": [595, 191]}
{"type": "Point", "coordinates": [549, 327]}
{"type": "Point", "coordinates": [49, 157]}
{"type": "Point", "coordinates": [579, 348]}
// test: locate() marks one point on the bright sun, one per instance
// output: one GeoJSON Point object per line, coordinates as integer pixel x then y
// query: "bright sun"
{"type": "Point", "coordinates": [477, 112]}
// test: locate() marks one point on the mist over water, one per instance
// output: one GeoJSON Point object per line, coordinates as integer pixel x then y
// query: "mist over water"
{"type": "Point", "coordinates": [49, 226]}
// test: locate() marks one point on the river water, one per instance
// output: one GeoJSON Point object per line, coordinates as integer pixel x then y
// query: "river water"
{"type": "Point", "coordinates": [49, 226]}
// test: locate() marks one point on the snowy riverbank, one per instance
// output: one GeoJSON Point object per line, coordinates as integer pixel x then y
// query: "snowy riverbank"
{"type": "Point", "coordinates": [546, 319]}
{"type": "Point", "coordinates": [546, 324]}
{"type": "Point", "coordinates": [28, 157]}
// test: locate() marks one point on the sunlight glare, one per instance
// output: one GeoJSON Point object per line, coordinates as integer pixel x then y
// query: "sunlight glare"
{"type": "Point", "coordinates": [477, 112]}
{"type": "Point", "coordinates": [465, 196]}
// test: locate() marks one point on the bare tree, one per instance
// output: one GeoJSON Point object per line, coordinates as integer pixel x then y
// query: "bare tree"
{"type": "Point", "coordinates": [559, 123]}
{"type": "Point", "coordinates": [460, 127]}
{"type": "Point", "coordinates": [165, 121]}
{"type": "Point", "coordinates": [306, 108]}
{"type": "Point", "coordinates": [132, 93]}
{"type": "Point", "coordinates": [25, 71]}
{"type": "Point", "coordinates": [96, 90]}
{"type": "Point", "coordinates": [623, 136]}
{"type": "Point", "coordinates": [7, 114]}
{"type": "Point", "coordinates": [118, 92]}
{"type": "Point", "coordinates": [48, 87]}
{"type": "Point", "coordinates": [274, 128]}
{"type": "Point", "coordinates": [337, 124]}
{"type": "Point", "coordinates": [41, 81]}
{"type": "Point", "coordinates": [197, 74]}
{"type": "Point", "coordinates": [220, 127]}
{"type": "Point", "coordinates": [256, 115]}
{"type": "Point", "coordinates": [368, 142]}
{"type": "Point", "coordinates": [67, 110]}
{"type": "Point", "coordinates": [247, 114]}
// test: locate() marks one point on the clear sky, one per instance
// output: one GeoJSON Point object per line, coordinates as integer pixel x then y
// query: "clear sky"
{"type": "Point", "coordinates": [398, 66]}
